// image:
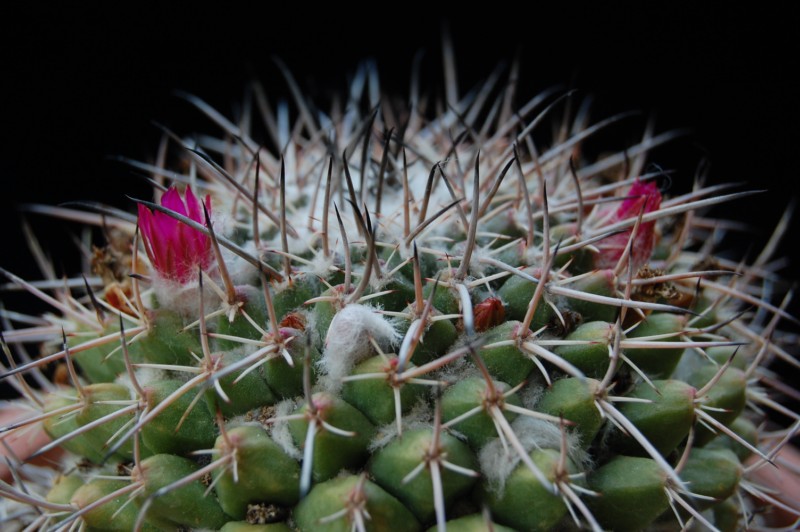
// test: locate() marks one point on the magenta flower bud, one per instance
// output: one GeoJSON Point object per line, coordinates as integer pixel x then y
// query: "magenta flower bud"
{"type": "Point", "coordinates": [175, 249]}
{"type": "Point", "coordinates": [641, 195]}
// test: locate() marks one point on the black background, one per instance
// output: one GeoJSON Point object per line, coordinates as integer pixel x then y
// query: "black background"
{"type": "Point", "coordinates": [85, 85]}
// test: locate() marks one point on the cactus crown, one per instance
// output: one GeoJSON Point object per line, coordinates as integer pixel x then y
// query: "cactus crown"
{"type": "Point", "coordinates": [403, 319]}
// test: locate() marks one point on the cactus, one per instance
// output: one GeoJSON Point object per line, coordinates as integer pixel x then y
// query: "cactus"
{"type": "Point", "coordinates": [401, 320]}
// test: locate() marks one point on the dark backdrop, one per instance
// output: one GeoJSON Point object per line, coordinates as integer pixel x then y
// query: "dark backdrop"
{"type": "Point", "coordinates": [83, 86]}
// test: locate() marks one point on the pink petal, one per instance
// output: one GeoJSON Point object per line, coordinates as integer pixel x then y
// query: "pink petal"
{"type": "Point", "coordinates": [193, 207]}
{"type": "Point", "coordinates": [172, 200]}
{"type": "Point", "coordinates": [146, 228]}
{"type": "Point", "coordinates": [641, 197]}
{"type": "Point", "coordinates": [640, 193]}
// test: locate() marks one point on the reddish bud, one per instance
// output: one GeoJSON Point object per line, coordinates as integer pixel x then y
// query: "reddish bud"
{"type": "Point", "coordinates": [489, 313]}
{"type": "Point", "coordinates": [294, 320]}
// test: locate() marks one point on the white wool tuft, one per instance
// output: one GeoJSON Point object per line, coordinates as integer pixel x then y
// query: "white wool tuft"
{"type": "Point", "coordinates": [145, 375]}
{"type": "Point", "coordinates": [532, 433]}
{"type": "Point", "coordinates": [531, 393]}
{"type": "Point", "coordinates": [458, 370]}
{"type": "Point", "coordinates": [182, 298]}
{"type": "Point", "coordinates": [280, 429]}
{"type": "Point", "coordinates": [322, 266]}
{"type": "Point", "coordinates": [497, 465]}
{"type": "Point", "coordinates": [240, 270]}
{"type": "Point", "coordinates": [347, 342]}
{"type": "Point", "coordinates": [420, 416]}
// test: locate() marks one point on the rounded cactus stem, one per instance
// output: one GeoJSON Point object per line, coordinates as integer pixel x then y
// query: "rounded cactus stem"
{"type": "Point", "coordinates": [712, 473]}
{"type": "Point", "coordinates": [503, 357]}
{"type": "Point", "coordinates": [291, 296]}
{"type": "Point", "coordinates": [243, 526]}
{"type": "Point", "coordinates": [283, 369]}
{"type": "Point", "coordinates": [745, 430]}
{"type": "Point", "coordinates": [341, 438]}
{"type": "Point", "coordinates": [656, 361]}
{"type": "Point", "coordinates": [445, 300]}
{"type": "Point", "coordinates": [436, 338]}
{"type": "Point", "coordinates": [182, 423]}
{"type": "Point", "coordinates": [517, 293]}
{"type": "Point", "coordinates": [727, 515]}
{"type": "Point", "coordinates": [633, 493]}
{"type": "Point", "coordinates": [524, 502]}
{"type": "Point", "coordinates": [102, 401]}
{"type": "Point", "coordinates": [587, 348]}
{"type": "Point", "coordinates": [64, 486]}
{"type": "Point", "coordinates": [64, 428]}
{"type": "Point", "coordinates": [375, 389]}
{"type": "Point", "coordinates": [241, 391]}
{"type": "Point", "coordinates": [473, 396]}
{"type": "Point", "coordinates": [326, 305]}
{"type": "Point", "coordinates": [352, 503]}
{"type": "Point", "coordinates": [598, 283]}
{"type": "Point", "coordinates": [473, 523]}
{"type": "Point", "coordinates": [105, 504]}
{"type": "Point", "coordinates": [234, 323]}
{"type": "Point", "coordinates": [722, 401]}
{"type": "Point", "coordinates": [580, 260]}
{"type": "Point", "coordinates": [411, 469]}
{"type": "Point", "coordinates": [574, 399]}
{"type": "Point", "coordinates": [259, 471]}
{"type": "Point", "coordinates": [176, 495]}
{"type": "Point", "coordinates": [664, 416]}
{"type": "Point", "coordinates": [722, 354]}
{"type": "Point", "coordinates": [167, 341]}
{"type": "Point", "coordinates": [98, 364]}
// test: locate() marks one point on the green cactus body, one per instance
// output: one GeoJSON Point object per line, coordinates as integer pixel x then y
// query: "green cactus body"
{"type": "Point", "coordinates": [116, 514]}
{"type": "Point", "coordinates": [574, 400]}
{"type": "Point", "coordinates": [665, 420]}
{"type": "Point", "coordinates": [713, 473]}
{"type": "Point", "coordinates": [375, 398]}
{"type": "Point", "coordinates": [393, 463]}
{"type": "Point", "coordinates": [525, 503]}
{"type": "Point", "coordinates": [186, 505]}
{"type": "Point", "coordinates": [657, 362]}
{"type": "Point", "coordinates": [101, 402]}
{"type": "Point", "coordinates": [365, 501]}
{"type": "Point", "coordinates": [473, 523]}
{"type": "Point", "coordinates": [472, 393]}
{"type": "Point", "coordinates": [591, 355]}
{"type": "Point", "coordinates": [264, 472]}
{"type": "Point", "coordinates": [402, 320]}
{"type": "Point", "coordinates": [66, 425]}
{"type": "Point", "coordinates": [506, 362]}
{"type": "Point", "coordinates": [633, 493]}
{"type": "Point", "coordinates": [334, 452]}
{"type": "Point", "coordinates": [517, 293]}
{"type": "Point", "coordinates": [169, 432]}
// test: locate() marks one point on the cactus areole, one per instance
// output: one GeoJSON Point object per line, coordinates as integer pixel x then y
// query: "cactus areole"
{"type": "Point", "coordinates": [408, 316]}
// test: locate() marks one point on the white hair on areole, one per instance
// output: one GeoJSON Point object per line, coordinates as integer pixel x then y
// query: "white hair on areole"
{"type": "Point", "coordinates": [497, 464]}
{"type": "Point", "coordinates": [280, 429]}
{"type": "Point", "coordinates": [348, 340]}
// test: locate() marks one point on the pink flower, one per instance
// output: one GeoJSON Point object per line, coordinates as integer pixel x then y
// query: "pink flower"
{"type": "Point", "coordinates": [175, 249]}
{"type": "Point", "coordinates": [640, 195]}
